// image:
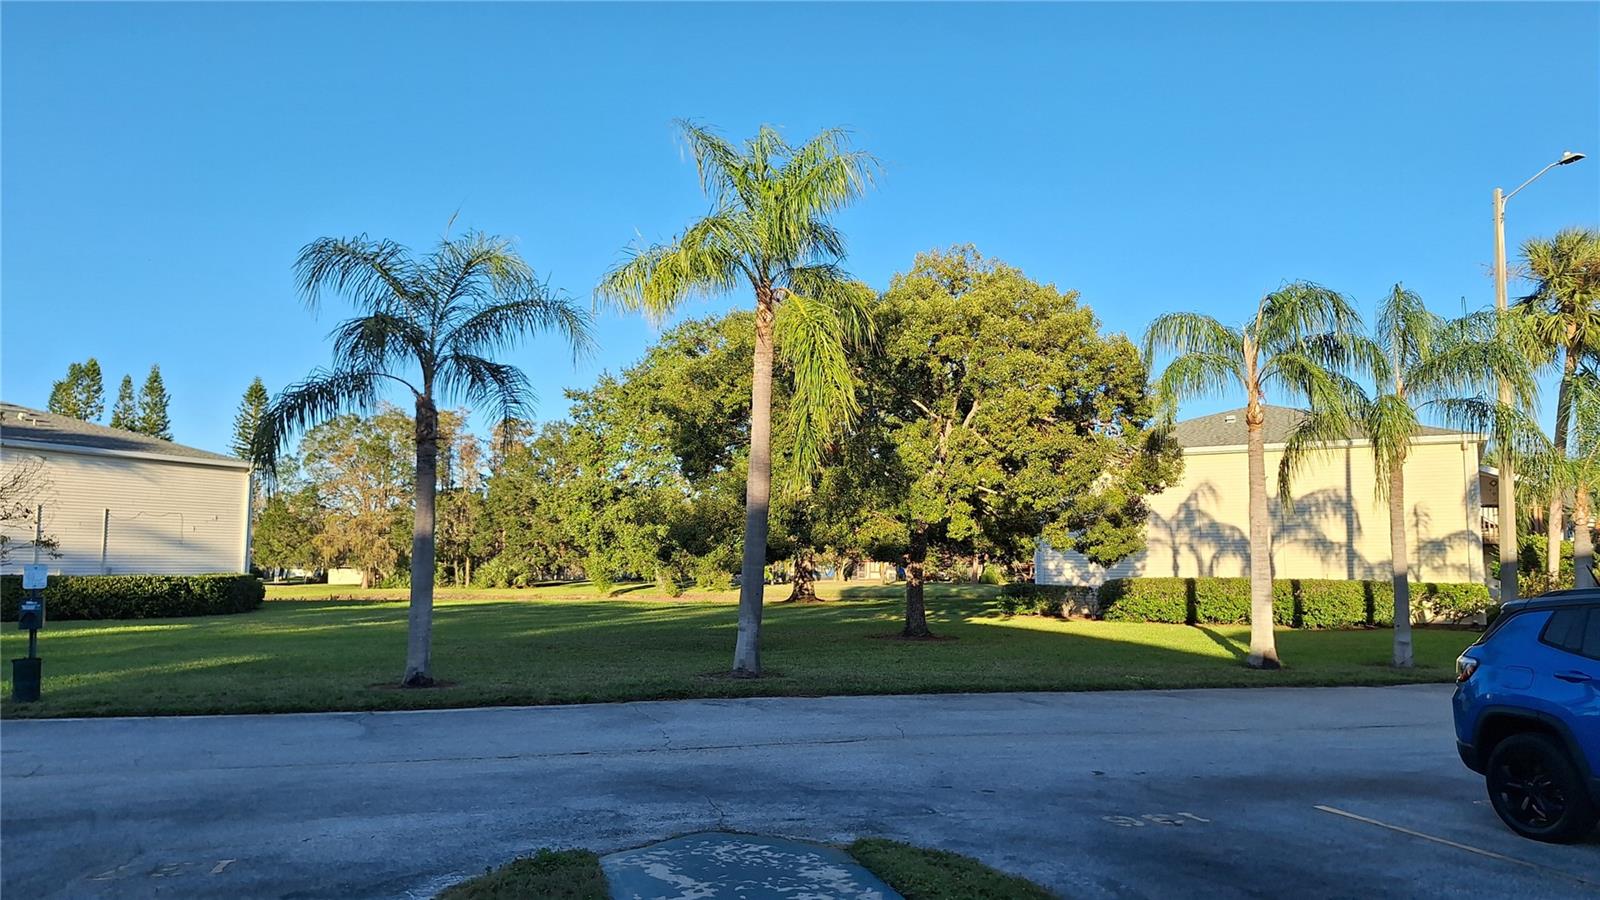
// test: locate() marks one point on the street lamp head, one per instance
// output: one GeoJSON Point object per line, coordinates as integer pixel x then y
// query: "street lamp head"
{"type": "Point", "coordinates": [1567, 156]}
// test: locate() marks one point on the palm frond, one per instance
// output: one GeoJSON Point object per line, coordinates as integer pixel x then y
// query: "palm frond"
{"type": "Point", "coordinates": [323, 395]}
{"type": "Point", "coordinates": [1188, 332]}
{"type": "Point", "coordinates": [1196, 374]}
{"type": "Point", "coordinates": [721, 170]}
{"type": "Point", "coordinates": [1299, 310]}
{"type": "Point", "coordinates": [377, 341]}
{"type": "Point", "coordinates": [1390, 423]}
{"type": "Point", "coordinates": [1314, 436]}
{"type": "Point", "coordinates": [1404, 331]}
{"type": "Point", "coordinates": [703, 261]}
{"type": "Point", "coordinates": [809, 336]}
{"type": "Point", "coordinates": [1504, 425]}
{"type": "Point", "coordinates": [532, 307]}
{"type": "Point", "coordinates": [850, 301]}
{"type": "Point", "coordinates": [501, 388]}
{"type": "Point", "coordinates": [378, 276]}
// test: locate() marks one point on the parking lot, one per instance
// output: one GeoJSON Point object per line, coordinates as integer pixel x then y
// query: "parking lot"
{"type": "Point", "coordinates": [1336, 792]}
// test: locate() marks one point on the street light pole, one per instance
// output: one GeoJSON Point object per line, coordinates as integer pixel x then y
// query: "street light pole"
{"type": "Point", "coordinates": [1507, 525]}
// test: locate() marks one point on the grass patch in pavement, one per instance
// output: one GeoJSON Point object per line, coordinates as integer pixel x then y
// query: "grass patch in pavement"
{"type": "Point", "coordinates": [552, 874]}
{"type": "Point", "coordinates": [916, 873]}
{"type": "Point", "coordinates": [564, 644]}
{"type": "Point", "coordinates": [920, 874]}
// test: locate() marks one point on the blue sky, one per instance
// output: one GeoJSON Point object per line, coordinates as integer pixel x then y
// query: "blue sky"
{"type": "Point", "coordinates": [162, 164]}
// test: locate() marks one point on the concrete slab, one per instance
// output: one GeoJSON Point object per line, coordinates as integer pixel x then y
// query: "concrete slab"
{"type": "Point", "coordinates": [722, 866]}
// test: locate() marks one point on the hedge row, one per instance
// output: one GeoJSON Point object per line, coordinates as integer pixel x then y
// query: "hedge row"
{"type": "Point", "coordinates": [137, 596]}
{"type": "Point", "coordinates": [1300, 602]}
{"type": "Point", "coordinates": [1025, 599]}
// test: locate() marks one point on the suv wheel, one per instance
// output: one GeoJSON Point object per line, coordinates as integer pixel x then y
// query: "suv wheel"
{"type": "Point", "coordinates": [1537, 790]}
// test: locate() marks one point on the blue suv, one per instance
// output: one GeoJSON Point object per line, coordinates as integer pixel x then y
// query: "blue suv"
{"type": "Point", "coordinates": [1527, 710]}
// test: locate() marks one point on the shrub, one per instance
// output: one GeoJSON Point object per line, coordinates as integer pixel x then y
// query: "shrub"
{"type": "Point", "coordinates": [711, 573]}
{"type": "Point", "coordinates": [1300, 602]}
{"type": "Point", "coordinates": [137, 596]}
{"type": "Point", "coordinates": [1023, 599]}
{"type": "Point", "coordinates": [667, 581]}
{"type": "Point", "coordinates": [992, 574]}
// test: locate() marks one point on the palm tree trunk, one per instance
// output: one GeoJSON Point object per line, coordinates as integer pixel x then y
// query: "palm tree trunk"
{"type": "Point", "coordinates": [1554, 526]}
{"type": "Point", "coordinates": [420, 622]}
{"type": "Point", "coordinates": [1263, 646]}
{"type": "Point", "coordinates": [805, 576]}
{"type": "Point", "coordinates": [1400, 566]}
{"type": "Point", "coordinates": [1583, 541]}
{"type": "Point", "coordinates": [916, 608]}
{"type": "Point", "coordinates": [757, 492]}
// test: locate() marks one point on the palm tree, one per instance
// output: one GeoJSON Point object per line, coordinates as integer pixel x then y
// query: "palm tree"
{"type": "Point", "coordinates": [430, 324]}
{"type": "Point", "coordinates": [1428, 362]}
{"type": "Point", "coordinates": [1564, 312]}
{"type": "Point", "coordinates": [768, 228]}
{"type": "Point", "coordinates": [1301, 341]}
{"type": "Point", "coordinates": [1585, 467]}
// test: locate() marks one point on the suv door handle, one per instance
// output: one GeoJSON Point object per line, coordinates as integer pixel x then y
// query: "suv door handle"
{"type": "Point", "coordinates": [1575, 677]}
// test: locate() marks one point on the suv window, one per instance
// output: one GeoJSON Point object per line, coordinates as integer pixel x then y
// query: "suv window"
{"type": "Point", "coordinates": [1575, 630]}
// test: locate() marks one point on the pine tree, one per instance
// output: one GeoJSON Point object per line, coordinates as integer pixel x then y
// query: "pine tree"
{"type": "Point", "coordinates": [65, 399]}
{"type": "Point", "coordinates": [251, 409]}
{"type": "Point", "coordinates": [91, 391]}
{"type": "Point", "coordinates": [124, 414]}
{"type": "Point", "coordinates": [153, 419]}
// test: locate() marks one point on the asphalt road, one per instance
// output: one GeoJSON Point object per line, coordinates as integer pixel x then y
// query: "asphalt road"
{"type": "Point", "coordinates": [1221, 793]}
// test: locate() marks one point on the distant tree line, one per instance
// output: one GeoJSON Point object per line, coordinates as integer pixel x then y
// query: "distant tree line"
{"type": "Point", "coordinates": [81, 395]}
{"type": "Point", "coordinates": [992, 410]}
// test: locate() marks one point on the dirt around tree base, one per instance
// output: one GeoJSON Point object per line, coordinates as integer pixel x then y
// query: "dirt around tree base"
{"type": "Point", "coordinates": [392, 686]}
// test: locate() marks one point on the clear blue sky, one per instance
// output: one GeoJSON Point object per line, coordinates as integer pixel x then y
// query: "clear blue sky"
{"type": "Point", "coordinates": [163, 163]}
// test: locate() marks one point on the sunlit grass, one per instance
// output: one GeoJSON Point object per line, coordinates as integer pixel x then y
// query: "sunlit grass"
{"type": "Point", "coordinates": [565, 644]}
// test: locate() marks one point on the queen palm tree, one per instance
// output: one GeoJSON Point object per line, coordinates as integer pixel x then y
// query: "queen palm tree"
{"type": "Point", "coordinates": [1585, 469]}
{"type": "Point", "coordinates": [1428, 363]}
{"type": "Point", "coordinates": [1301, 342]}
{"type": "Point", "coordinates": [1564, 312]}
{"type": "Point", "coordinates": [769, 229]}
{"type": "Point", "coordinates": [430, 324]}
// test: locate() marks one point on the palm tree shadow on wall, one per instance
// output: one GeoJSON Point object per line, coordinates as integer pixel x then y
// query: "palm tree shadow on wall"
{"type": "Point", "coordinates": [1193, 531]}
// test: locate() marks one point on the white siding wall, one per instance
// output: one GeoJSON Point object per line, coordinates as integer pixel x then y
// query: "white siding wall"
{"type": "Point", "coordinates": [1338, 527]}
{"type": "Point", "coordinates": [170, 518]}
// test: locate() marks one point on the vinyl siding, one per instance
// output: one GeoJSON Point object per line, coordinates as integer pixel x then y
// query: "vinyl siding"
{"type": "Point", "coordinates": [169, 518]}
{"type": "Point", "coordinates": [1338, 527]}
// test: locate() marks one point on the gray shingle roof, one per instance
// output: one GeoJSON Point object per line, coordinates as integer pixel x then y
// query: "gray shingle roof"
{"type": "Point", "coordinates": [19, 423]}
{"type": "Point", "coordinates": [1226, 429]}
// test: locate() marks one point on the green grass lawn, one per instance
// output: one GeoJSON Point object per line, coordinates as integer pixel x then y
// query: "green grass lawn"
{"type": "Point", "coordinates": [564, 644]}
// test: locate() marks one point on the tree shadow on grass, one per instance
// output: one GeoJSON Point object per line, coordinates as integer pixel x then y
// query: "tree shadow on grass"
{"type": "Point", "coordinates": [1222, 641]}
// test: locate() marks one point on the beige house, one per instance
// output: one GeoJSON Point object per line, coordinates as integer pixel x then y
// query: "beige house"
{"type": "Point", "coordinates": [118, 502]}
{"type": "Point", "coordinates": [1338, 527]}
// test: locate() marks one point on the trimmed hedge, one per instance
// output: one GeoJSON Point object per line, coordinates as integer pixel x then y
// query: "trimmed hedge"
{"type": "Point", "coordinates": [137, 596]}
{"type": "Point", "coordinates": [1026, 599]}
{"type": "Point", "coordinates": [1299, 602]}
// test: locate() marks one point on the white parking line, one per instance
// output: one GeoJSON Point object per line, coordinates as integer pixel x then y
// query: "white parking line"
{"type": "Point", "coordinates": [1459, 846]}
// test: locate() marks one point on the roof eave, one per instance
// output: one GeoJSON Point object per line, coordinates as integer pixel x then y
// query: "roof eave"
{"type": "Point", "coordinates": [215, 462]}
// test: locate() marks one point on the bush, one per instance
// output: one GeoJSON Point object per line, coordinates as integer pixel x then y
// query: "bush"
{"type": "Point", "coordinates": [137, 596]}
{"type": "Point", "coordinates": [992, 574]}
{"type": "Point", "coordinates": [1299, 602]}
{"type": "Point", "coordinates": [710, 573]}
{"type": "Point", "coordinates": [1025, 599]}
{"type": "Point", "coordinates": [667, 581]}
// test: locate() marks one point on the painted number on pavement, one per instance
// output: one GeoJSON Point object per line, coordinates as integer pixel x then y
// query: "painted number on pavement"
{"type": "Point", "coordinates": [1182, 818]}
{"type": "Point", "coordinates": [165, 870]}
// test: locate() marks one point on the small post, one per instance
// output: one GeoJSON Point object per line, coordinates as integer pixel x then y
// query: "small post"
{"type": "Point", "coordinates": [105, 537]}
{"type": "Point", "coordinates": [38, 531]}
{"type": "Point", "coordinates": [27, 672]}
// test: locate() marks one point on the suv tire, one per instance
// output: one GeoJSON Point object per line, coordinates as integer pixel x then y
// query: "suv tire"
{"type": "Point", "coordinates": [1537, 791]}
